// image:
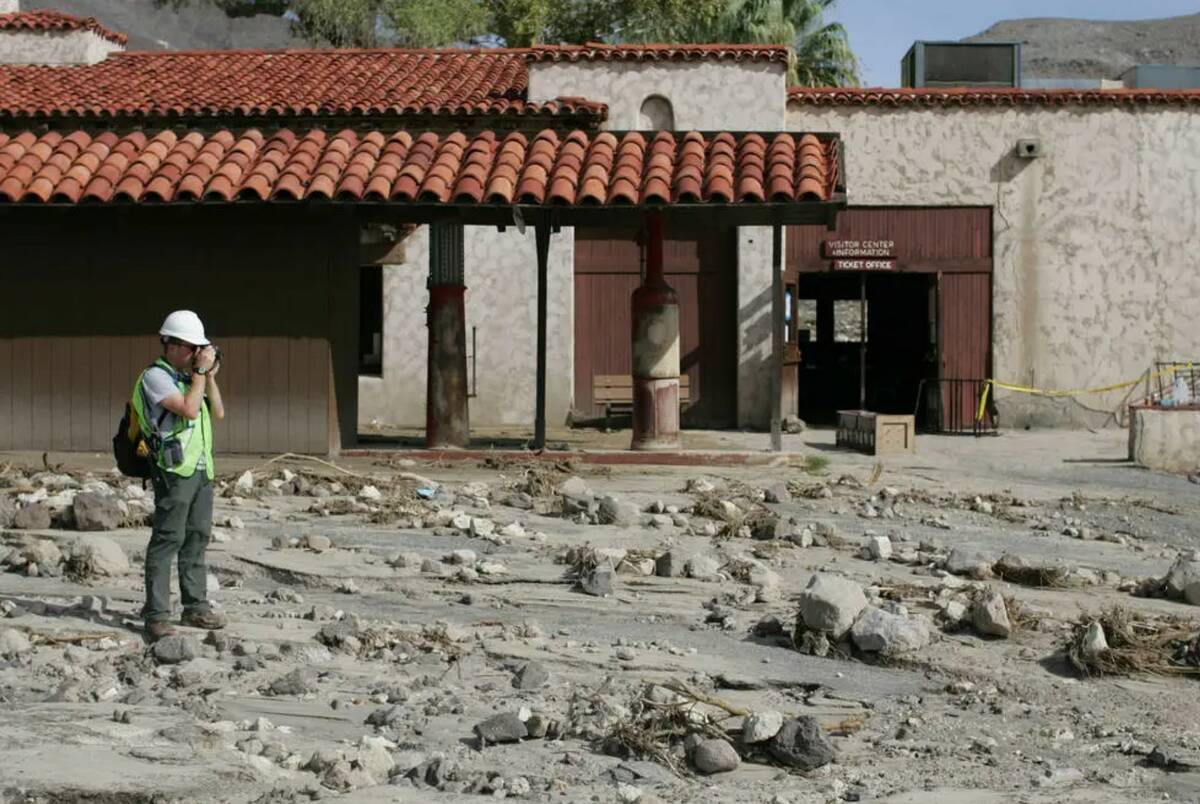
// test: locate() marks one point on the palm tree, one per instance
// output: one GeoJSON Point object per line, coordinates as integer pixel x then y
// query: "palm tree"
{"type": "Point", "coordinates": [822, 55]}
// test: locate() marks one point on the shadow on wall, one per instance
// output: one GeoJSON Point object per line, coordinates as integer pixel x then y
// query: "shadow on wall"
{"type": "Point", "coordinates": [1009, 166]}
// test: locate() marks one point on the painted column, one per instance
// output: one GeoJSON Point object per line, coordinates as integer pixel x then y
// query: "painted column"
{"type": "Point", "coordinates": [655, 352]}
{"type": "Point", "coordinates": [446, 421]}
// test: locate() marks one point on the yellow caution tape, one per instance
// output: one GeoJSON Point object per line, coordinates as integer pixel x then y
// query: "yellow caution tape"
{"type": "Point", "coordinates": [1023, 389]}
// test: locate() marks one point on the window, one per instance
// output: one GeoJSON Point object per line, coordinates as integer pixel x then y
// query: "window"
{"type": "Point", "coordinates": [805, 320]}
{"type": "Point", "coordinates": [370, 321]}
{"type": "Point", "coordinates": [849, 321]}
{"type": "Point", "coordinates": [656, 114]}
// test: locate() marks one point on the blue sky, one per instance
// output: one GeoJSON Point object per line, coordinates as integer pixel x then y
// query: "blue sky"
{"type": "Point", "coordinates": [881, 31]}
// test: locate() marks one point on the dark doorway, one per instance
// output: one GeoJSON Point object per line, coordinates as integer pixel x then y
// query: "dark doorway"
{"type": "Point", "coordinates": [370, 321]}
{"type": "Point", "coordinates": [864, 341]}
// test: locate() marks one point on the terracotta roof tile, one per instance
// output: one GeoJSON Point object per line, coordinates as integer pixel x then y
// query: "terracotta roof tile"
{"type": "Point", "coordinates": [287, 165]}
{"type": "Point", "coordinates": [45, 21]}
{"type": "Point", "coordinates": [975, 97]}
{"type": "Point", "coordinates": [282, 84]}
{"type": "Point", "coordinates": [658, 52]}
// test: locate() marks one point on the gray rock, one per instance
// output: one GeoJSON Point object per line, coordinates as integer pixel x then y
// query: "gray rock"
{"type": "Point", "coordinates": [387, 716]}
{"type": "Point", "coordinates": [13, 642]}
{"type": "Point", "coordinates": [715, 756]}
{"type": "Point", "coordinates": [759, 727]}
{"type": "Point", "coordinates": [101, 555]}
{"type": "Point", "coordinates": [44, 553]}
{"type": "Point", "coordinates": [97, 512]}
{"type": "Point", "coordinates": [598, 581]}
{"type": "Point", "coordinates": [175, 649]}
{"type": "Point", "coordinates": [531, 676]}
{"type": "Point", "coordinates": [879, 548]}
{"type": "Point", "coordinates": [878, 631]}
{"type": "Point", "coordinates": [671, 564]}
{"type": "Point", "coordinates": [794, 425]}
{"type": "Point", "coordinates": [831, 605]}
{"type": "Point", "coordinates": [777, 492]}
{"type": "Point", "coordinates": [574, 487]}
{"type": "Point", "coordinates": [619, 513]}
{"type": "Point", "coordinates": [32, 517]}
{"type": "Point", "coordinates": [970, 563]}
{"type": "Point", "coordinates": [506, 727]}
{"type": "Point", "coordinates": [1093, 640]}
{"type": "Point", "coordinates": [990, 615]}
{"type": "Point", "coordinates": [318, 543]}
{"type": "Point", "coordinates": [1184, 572]}
{"type": "Point", "coordinates": [703, 568]}
{"type": "Point", "coordinates": [802, 744]}
{"type": "Point", "coordinates": [8, 510]}
{"type": "Point", "coordinates": [300, 681]}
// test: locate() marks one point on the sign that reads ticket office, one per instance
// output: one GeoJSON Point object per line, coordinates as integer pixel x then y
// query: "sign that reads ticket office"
{"type": "Point", "coordinates": [864, 264]}
{"type": "Point", "coordinates": [860, 249]}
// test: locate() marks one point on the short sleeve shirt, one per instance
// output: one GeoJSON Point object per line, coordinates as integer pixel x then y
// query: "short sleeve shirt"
{"type": "Point", "coordinates": [158, 384]}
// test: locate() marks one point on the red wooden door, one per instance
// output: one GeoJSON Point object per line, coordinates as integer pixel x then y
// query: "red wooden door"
{"type": "Point", "coordinates": [964, 345]}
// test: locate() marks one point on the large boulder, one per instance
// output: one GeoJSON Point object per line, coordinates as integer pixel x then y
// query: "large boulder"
{"type": "Point", "coordinates": [1184, 573]}
{"type": "Point", "coordinates": [100, 555]}
{"type": "Point", "coordinates": [990, 615]}
{"type": "Point", "coordinates": [97, 512]}
{"type": "Point", "coordinates": [878, 631]}
{"type": "Point", "coordinates": [618, 512]}
{"type": "Point", "coordinates": [32, 517]}
{"type": "Point", "coordinates": [831, 605]}
{"type": "Point", "coordinates": [970, 563]}
{"type": "Point", "coordinates": [715, 756]}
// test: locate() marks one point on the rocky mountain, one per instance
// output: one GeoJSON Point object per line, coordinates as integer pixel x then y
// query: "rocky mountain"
{"type": "Point", "coordinates": [195, 26]}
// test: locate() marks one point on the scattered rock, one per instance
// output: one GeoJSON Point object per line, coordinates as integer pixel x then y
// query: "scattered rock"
{"type": "Point", "coordinates": [990, 615]}
{"type": "Point", "coordinates": [970, 563]}
{"type": "Point", "coordinates": [506, 727]}
{"type": "Point", "coordinates": [619, 513]}
{"type": "Point", "coordinates": [32, 517]}
{"type": "Point", "coordinates": [598, 581]}
{"type": "Point", "coordinates": [777, 492]}
{"type": "Point", "coordinates": [100, 555]}
{"type": "Point", "coordinates": [370, 494]}
{"type": "Point", "coordinates": [8, 510]}
{"type": "Point", "coordinates": [13, 642]}
{"type": "Point", "coordinates": [245, 484]}
{"type": "Point", "coordinates": [531, 676]}
{"type": "Point", "coordinates": [802, 744]}
{"type": "Point", "coordinates": [462, 557]}
{"type": "Point", "coordinates": [1185, 572]}
{"type": "Point", "coordinates": [715, 756]}
{"type": "Point", "coordinates": [671, 564]}
{"type": "Point", "coordinates": [878, 631]}
{"type": "Point", "coordinates": [97, 512]}
{"type": "Point", "coordinates": [794, 425]}
{"type": "Point", "coordinates": [703, 568]}
{"type": "Point", "coordinates": [574, 487]}
{"type": "Point", "coordinates": [175, 649]}
{"type": "Point", "coordinates": [759, 727]}
{"type": "Point", "coordinates": [1093, 640]}
{"type": "Point", "coordinates": [318, 543]}
{"type": "Point", "coordinates": [831, 605]}
{"type": "Point", "coordinates": [879, 548]}
{"type": "Point", "coordinates": [300, 681]}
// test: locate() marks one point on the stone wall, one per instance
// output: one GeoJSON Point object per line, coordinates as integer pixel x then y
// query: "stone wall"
{"type": "Point", "coordinates": [1096, 269]}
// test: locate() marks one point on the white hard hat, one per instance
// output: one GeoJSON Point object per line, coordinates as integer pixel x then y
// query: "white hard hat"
{"type": "Point", "coordinates": [184, 325]}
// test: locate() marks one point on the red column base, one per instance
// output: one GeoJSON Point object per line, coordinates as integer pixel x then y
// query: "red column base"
{"type": "Point", "coordinates": [446, 421]}
{"type": "Point", "coordinates": [655, 413]}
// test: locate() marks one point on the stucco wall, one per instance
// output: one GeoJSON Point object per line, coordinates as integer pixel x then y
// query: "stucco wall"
{"type": "Point", "coordinates": [741, 96]}
{"type": "Point", "coordinates": [54, 47]}
{"type": "Point", "coordinates": [501, 299]}
{"type": "Point", "coordinates": [1096, 267]}
{"type": "Point", "coordinates": [1164, 439]}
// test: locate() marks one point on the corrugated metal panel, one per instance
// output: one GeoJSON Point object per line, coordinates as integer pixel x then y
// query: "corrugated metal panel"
{"type": "Point", "coordinates": [703, 270]}
{"type": "Point", "coordinates": [964, 340]}
{"type": "Point", "coordinates": [926, 239]}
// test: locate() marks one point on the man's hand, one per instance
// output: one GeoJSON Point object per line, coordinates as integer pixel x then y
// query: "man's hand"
{"type": "Point", "coordinates": [205, 359]}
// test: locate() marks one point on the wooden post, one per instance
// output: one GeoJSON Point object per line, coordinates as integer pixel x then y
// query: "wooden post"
{"type": "Point", "coordinates": [543, 253]}
{"type": "Point", "coordinates": [862, 342]}
{"type": "Point", "coordinates": [777, 338]}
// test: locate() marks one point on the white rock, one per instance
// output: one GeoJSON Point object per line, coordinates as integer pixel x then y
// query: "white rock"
{"type": "Point", "coordinates": [103, 554]}
{"type": "Point", "coordinates": [481, 527]}
{"type": "Point", "coordinates": [491, 568]}
{"type": "Point", "coordinates": [1093, 640]}
{"type": "Point", "coordinates": [513, 530]}
{"type": "Point", "coordinates": [370, 494]}
{"type": "Point", "coordinates": [703, 568]}
{"type": "Point", "coordinates": [245, 483]}
{"type": "Point", "coordinates": [879, 548]}
{"type": "Point", "coordinates": [878, 631]}
{"type": "Point", "coordinates": [13, 642]}
{"type": "Point", "coordinates": [464, 557]}
{"type": "Point", "coordinates": [213, 583]}
{"type": "Point", "coordinates": [761, 726]}
{"type": "Point", "coordinates": [990, 615]}
{"type": "Point", "coordinates": [831, 604]}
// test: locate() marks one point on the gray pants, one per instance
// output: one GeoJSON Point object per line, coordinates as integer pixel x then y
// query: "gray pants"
{"type": "Point", "coordinates": [182, 527]}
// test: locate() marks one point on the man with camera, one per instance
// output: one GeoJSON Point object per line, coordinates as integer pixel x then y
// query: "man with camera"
{"type": "Point", "coordinates": [176, 400]}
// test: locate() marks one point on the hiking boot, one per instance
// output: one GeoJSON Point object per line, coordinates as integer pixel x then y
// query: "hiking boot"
{"type": "Point", "coordinates": [208, 620]}
{"type": "Point", "coordinates": [158, 629]}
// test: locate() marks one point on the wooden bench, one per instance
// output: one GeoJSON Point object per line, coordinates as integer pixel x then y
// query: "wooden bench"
{"type": "Point", "coordinates": [615, 393]}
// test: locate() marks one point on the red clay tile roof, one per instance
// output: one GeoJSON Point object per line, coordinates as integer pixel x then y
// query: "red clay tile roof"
{"type": "Point", "coordinates": [282, 84]}
{"type": "Point", "coordinates": [57, 21]}
{"type": "Point", "coordinates": [397, 166]}
{"type": "Point", "coordinates": [601, 52]}
{"type": "Point", "coordinates": [988, 98]}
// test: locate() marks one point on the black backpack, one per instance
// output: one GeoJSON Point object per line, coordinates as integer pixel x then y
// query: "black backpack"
{"type": "Point", "coordinates": [130, 448]}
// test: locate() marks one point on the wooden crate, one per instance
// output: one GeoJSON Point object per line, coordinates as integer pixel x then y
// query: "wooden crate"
{"type": "Point", "coordinates": [876, 433]}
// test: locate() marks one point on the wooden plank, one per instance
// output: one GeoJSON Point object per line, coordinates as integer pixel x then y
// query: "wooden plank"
{"type": "Point", "coordinates": [22, 393]}
{"type": "Point", "coordinates": [41, 393]}
{"type": "Point", "coordinates": [61, 379]}
{"type": "Point", "coordinates": [103, 415]}
{"type": "Point", "coordinates": [121, 376]}
{"type": "Point", "coordinates": [258, 396]}
{"type": "Point", "coordinates": [6, 393]}
{"type": "Point", "coordinates": [234, 381]}
{"type": "Point", "coordinates": [319, 372]}
{"type": "Point", "coordinates": [277, 384]}
{"type": "Point", "coordinates": [298, 394]}
{"type": "Point", "coordinates": [78, 389]}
